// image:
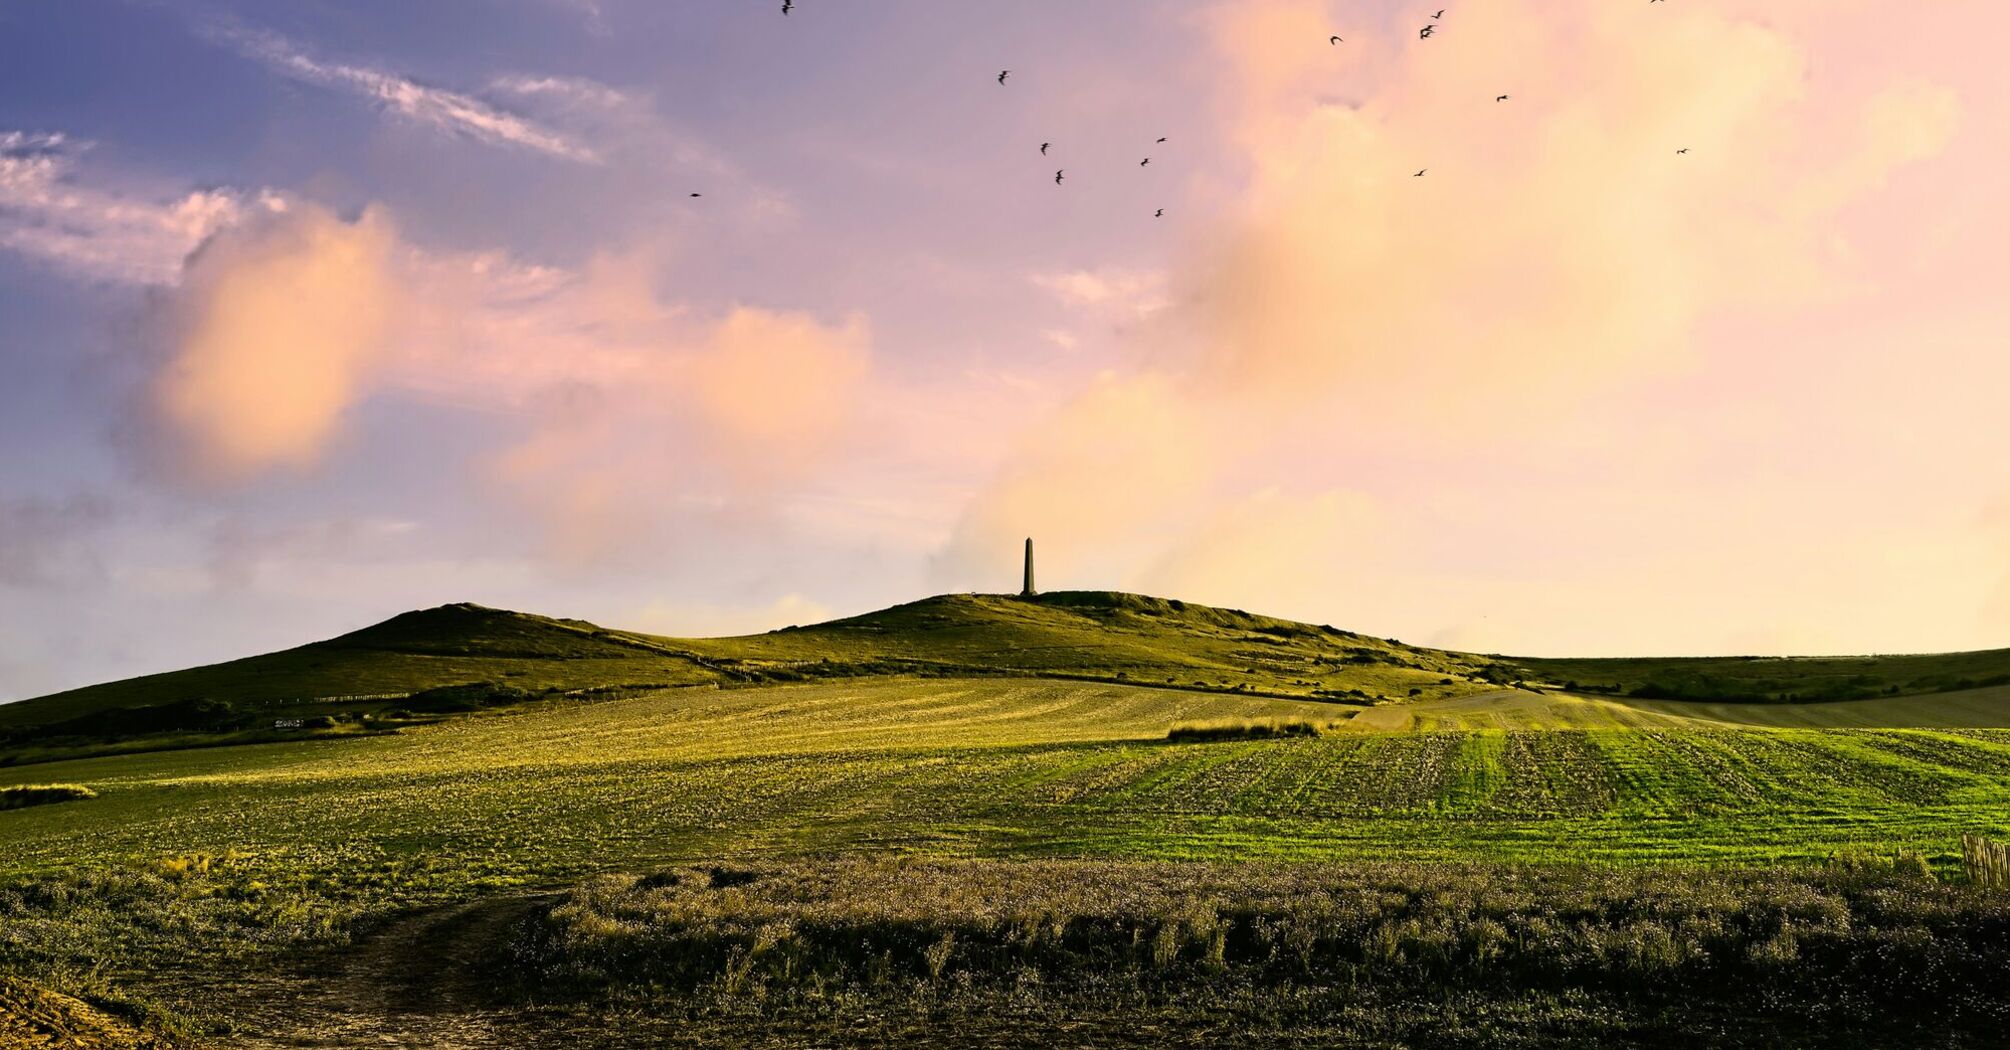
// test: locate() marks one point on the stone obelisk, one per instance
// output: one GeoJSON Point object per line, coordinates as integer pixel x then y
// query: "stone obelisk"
{"type": "Point", "coordinates": [1027, 591]}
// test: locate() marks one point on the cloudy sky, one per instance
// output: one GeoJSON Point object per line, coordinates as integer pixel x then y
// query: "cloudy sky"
{"type": "Point", "coordinates": [312, 313]}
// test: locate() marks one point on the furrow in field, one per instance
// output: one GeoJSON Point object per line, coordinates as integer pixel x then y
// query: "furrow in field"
{"type": "Point", "coordinates": [1389, 773]}
{"type": "Point", "coordinates": [1552, 773]}
{"type": "Point", "coordinates": [1477, 772]}
{"type": "Point", "coordinates": [1680, 771]}
{"type": "Point", "coordinates": [1872, 775]}
{"type": "Point", "coordinates": [1949, 755]}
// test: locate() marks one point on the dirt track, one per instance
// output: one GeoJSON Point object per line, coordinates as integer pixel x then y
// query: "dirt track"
{"type": "Point", "coordinates": [416, 982]}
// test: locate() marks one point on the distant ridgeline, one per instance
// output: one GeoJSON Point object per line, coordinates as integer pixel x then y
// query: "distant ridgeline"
{"type": "Point", "coordinates": [464, 658]}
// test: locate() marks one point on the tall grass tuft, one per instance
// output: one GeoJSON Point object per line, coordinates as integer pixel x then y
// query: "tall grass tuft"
{"type": "Point", "coordinates": [1108, 935]}
{"type": "Point", "coordinates": [1985, 862]}
{"type": "Point", "coordinates": [1246, 729]}
{"type": "Point", "coordinates": [24, 795]}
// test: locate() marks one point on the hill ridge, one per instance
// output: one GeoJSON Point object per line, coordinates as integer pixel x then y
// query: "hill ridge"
{"type": "Point", "coordinates": [1102, 635]}
{"type": "Point", "coordinates": [462, 656]}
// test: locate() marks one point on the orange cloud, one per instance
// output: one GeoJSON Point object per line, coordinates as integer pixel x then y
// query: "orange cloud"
{"type": "Point", "coordinates": [776, 384]}
{"type": "Point", "coordinates": [277, 327]}
{"type": "Point", "coordinates": [1557, 246]}
{"type": "Point", "coordinates": [1554, 239]}
{"type": "Point", "coordinates": [718, 413]}
{"type": "Point", "coordinates": [1109, 472]}
{"type": "Point", "coordinates": [280, 327]}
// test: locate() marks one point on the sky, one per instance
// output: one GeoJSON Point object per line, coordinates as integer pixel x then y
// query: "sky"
{"type": "Point", "coordinates": [699, 318]}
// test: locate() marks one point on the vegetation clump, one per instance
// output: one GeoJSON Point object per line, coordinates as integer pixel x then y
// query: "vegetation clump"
{"type": "Point", "coordinates": [22, 796]}
{"type": "Point", "coordinates": [1293, 944]}
{"type": "Point", "coordinates": [31, 1016]}
{"type": "Point", "coordinates": [1986, 862]}
{"type": "Point", "coordinates": [1246, 729]}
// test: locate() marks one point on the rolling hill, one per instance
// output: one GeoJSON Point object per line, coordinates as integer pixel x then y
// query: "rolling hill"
{"type": "Point", "coordinates": [426, 664]}
{"type": "Point", "coordinates": [460, 657]}
{"type": "Point", "coordinates": [225, 884]}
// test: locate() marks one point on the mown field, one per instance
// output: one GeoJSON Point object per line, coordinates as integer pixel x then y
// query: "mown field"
{"type": "Point", "coordinates": [226, 856]}
{"type": "Point", "coordinates": [1033, 767]}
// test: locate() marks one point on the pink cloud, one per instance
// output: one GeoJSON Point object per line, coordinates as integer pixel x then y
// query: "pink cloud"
{"type": "Point", "coordinates": [629, 404]}
{"type": "Point", "coordinates": [1559, 321]}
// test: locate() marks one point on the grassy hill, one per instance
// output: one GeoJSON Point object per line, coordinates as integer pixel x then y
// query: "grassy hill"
{"type": "Point", "coordinates": [1108, 636]}
{"type": "Point", "coordinates": [455, 659]}
{"type": "Point", "coordinates": [1790, 679]}
{"type": "Point", "coordinates": [366, 671]}
{"type": "Point", "coordinates": [460, 657]}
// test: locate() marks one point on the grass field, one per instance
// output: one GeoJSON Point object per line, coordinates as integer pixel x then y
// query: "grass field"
{"type": "Point", "coordinates": [1033, 767]}
{"type": "Point", "coordinates": [223, 859]}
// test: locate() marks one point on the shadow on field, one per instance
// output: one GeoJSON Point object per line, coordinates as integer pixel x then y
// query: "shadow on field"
{"type": "Point", "coordinates": [426, 978]}
{"type": "Point", "coordinates": [1134, 954]}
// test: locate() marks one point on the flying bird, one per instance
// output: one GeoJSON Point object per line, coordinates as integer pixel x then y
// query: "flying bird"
{"type": "Point", "coordinates": [1500, 98]}
{"type": "Point", "coordinates": [1333, 40]}
{"type": "Point", "coordinates": [1440, 14]}
{"type": "Point", "coordinates": [1162, 138]}
{"type": "Point", "coordinates": [1057, 176]}
{"type": "Point", "coordinates": [1159, 214]}
{"type": "Point", "coordinates": [788, 5]}
{"type": "Point", "coordinates": [1684, 150]}
{"type": "Point", "coordinates": [1425, 33]}
{"type": "Point", "coordinates": [1144, 162]}
{"type": "Point", "coordinates": [1420, 173]}
{"type": "Point", "coordinates": [1003, 74]}
{"type": "Point", "coordinates": [697, 195]}
{"type": "Point", "coordinates": [1043, 148]}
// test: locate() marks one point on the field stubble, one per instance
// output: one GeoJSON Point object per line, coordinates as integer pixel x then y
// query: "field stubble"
{"type": "Point", "coordinates": [236, 855]}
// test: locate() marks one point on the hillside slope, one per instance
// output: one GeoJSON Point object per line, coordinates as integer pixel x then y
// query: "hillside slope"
{"type": "Point", "coordinates": [367, 670]}
{"type": "Point", "coordinates": [501, 655]}
{"type": "Point", "coordinates": [462, 657]}
{"type": "Point", "coordinates": [1775, 679]}
{"type": "Point", "coordinates": [1107, 636]}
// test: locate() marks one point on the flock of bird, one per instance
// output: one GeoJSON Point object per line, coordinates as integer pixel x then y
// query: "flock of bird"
{"type": "Point", "coordinates": [1060, 174]}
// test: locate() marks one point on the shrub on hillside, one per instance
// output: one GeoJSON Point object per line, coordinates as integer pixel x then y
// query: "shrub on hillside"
{"type": "Point", "coordinates": [1244, 729]}
{"type": "Point", "coordinates": [22, 796]}
{"type": "Point", "coordinates": [472, 696]}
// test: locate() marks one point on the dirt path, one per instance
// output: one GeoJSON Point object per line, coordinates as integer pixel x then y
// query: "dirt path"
{"type": "Point", "coordinates": [419, 981]}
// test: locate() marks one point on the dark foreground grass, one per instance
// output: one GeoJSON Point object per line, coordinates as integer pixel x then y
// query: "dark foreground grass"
{"type": "Point", "coordinates": [1643, 955]}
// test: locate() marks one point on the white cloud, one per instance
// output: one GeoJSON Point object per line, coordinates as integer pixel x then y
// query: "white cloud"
{"type": "Point", "coordinates": [633, 409]}
{"type": "Point", "coordinates": [99, 233]}
{"type": "Point", "coordinates": [571, 91]}
{"type": "Point", "coordinates": [448, 111]}
{"type": "Point", "coordinates": [1135, 292]}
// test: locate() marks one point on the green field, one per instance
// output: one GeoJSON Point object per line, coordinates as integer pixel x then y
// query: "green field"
{"type": "Point", "coordinates": [233, 856]}
{"type": "Point", "coordinates": [1039, 767]}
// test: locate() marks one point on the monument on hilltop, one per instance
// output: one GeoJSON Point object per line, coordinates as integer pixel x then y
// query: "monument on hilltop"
{"type": "Point", "coordinates": [1027, 590]}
